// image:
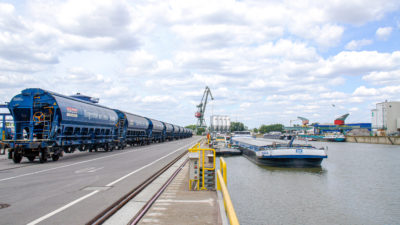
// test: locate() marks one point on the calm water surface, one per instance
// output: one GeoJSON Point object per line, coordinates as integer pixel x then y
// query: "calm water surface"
{"type": "Point", "coordinates": [356, 184]}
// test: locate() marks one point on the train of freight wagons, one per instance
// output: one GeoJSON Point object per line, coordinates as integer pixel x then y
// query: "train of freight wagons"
{"type": "Point", "coordinates": [47, 124]}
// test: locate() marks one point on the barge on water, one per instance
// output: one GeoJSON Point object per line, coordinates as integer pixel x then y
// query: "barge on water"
{"type": "Point", "coordinates": [279, 153]}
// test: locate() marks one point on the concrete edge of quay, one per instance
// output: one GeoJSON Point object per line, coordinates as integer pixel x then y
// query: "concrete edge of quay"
{"type": "Point", "coordinates": [388, 140]}
{"type": "Point", "coordinates": [224, 218]}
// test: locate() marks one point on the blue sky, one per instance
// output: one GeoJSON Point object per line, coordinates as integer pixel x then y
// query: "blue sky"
{"type": "Point", "coordinates": [265, 61]}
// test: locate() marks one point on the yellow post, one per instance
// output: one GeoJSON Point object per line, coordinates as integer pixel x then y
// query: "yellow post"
{"type": "Point", "coordinates": [218, 185]}
{"type": "Point", "coordinates": [230, 210]}
{"type": "Point", "coordinates": [3, 137]}
{"type": "Point", "coordinates": [223, 169]}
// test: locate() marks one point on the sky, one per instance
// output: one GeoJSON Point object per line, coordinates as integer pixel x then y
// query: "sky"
{"type": "Point", "coordinates": [265, 62]}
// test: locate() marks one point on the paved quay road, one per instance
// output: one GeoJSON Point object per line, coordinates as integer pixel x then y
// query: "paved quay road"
{"type": "Point", "coordinates": [80, 185]}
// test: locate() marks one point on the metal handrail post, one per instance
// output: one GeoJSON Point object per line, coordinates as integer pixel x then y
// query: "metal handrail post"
{"type": "Point", "coordinates": [230, 210]}
{"type": "Point", "coordinates": [223, 169]}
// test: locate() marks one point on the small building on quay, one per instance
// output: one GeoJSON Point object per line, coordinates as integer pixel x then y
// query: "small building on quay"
{"type": "Point", "coordinates": [385, 118]}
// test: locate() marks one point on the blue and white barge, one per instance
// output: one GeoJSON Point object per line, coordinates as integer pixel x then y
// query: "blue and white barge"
{"type": "Point", "coordinates": [279, 153]}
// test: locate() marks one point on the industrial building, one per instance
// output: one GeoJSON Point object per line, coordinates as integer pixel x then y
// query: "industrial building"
{"type": "Point", "coordinates": [328, 128]}
{"type": "Point", "coordinates": [219, 123]}
{"type": "Point", "coordinates": [339, 126]}
{"type": "Point", "coordinates": [385, 118]}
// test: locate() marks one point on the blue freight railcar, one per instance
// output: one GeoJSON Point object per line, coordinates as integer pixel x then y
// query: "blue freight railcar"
{"type": "Point", "coordinates": [48, 124]}
{"type": "Point", "coordinates": [156, 130]}
{"type": "Point", "coordinates": [175, 133]}
{"type": "Point", "coordinates": [132, 129]}
{"type": "Point", "coordinates": [169, 131]}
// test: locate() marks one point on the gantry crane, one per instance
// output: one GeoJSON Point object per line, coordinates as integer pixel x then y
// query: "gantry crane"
{"type": "Point", "coordinates": [304, 121]}
{"type": "Point", "coordinates": [201, 108]}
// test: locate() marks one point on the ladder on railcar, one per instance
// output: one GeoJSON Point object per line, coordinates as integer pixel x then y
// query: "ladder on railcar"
{"type": "Point", "coordinates": [121, 123]}
{"type": "Point", "coordinates": [46, 111]}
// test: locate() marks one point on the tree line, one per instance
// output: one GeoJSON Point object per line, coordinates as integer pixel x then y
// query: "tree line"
{"type": "Point", "coordinates": [239, 126]}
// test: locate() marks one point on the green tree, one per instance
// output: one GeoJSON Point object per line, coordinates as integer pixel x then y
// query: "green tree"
{"type": "Point", "coordinates": [192, 127]}
{"type": "Point", "coordinates": [273, 127]}
{"type": "Point", "coordinates": [237, 126]}
{"type": "Point", "coordinates": [200, 131]}
{"type": "Point", "coordinates": [255, 130]}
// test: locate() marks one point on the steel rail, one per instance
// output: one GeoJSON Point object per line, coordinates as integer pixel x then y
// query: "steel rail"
{"type": "Point", "coordinates": [146, 207]}
{"type": "Point", "coordinates": [112, 209]}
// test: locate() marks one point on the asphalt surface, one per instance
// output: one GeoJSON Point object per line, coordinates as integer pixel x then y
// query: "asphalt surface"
{"type": "Point", "coordinates": [80, 185]}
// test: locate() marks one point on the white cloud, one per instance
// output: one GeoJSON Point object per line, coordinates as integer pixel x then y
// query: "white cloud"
{"type": "Point", "coordinates": [356, 63]}
{"type": "Point", "coordinates": [327, 35]}
{"type": "Point", "coordinates": [383, 77]}
{"type": "Point", "coordinates": [357, 44]}
{"type": "Point", "coordinates": [281, 55]}
{"type": "Point", "coordinates": [383, 33]}
{"type": "Point", "coordinates": [363, 91]}
{"type": "Point", "coordinates": [358, 12]}
{"type": "Point", "coordinates": [158, 99]}
{"type": "Point", "coordinates": [333, 95]}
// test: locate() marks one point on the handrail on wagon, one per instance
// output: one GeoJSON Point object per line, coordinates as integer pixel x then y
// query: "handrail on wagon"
{"type": "Point", "coordinates": [221, 186]}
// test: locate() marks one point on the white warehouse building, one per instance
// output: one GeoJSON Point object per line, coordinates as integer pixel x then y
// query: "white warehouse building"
{"type": "Point", "coordinates": [386, 117]}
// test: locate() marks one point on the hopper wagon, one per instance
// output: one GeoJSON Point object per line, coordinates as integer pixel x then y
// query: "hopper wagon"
{"type": "Point", "coordinates": [48, 124]}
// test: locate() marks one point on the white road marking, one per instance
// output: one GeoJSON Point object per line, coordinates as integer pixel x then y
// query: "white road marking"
{"type": "Point", "coordinates": [209, 201]}
{"type": "Point", "coordinates": [159, 208]}
{"type": "Point", "coordinates": [95, 169]}
{"type": "Point", "coordinates": [133, 172]}
{"type": "Point", "coordinates": [88, 170]}
{"type": "Point", "coordinates": [61, 208]}
{"type": "Point", "coordinates": [151, 220]}
{"type": "Point", "coordinates": [154, 214]}
{"type": "Point", "coordinates": [162, 203]}
{"type": "Point", "coordinates": [95, 192]}
{"type": "Point", "coordinates": [72, 164]}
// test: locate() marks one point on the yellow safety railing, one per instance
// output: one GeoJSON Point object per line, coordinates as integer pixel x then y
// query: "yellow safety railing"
{"type": "Point", "coordinates": [221, 186]}
{"type": "Point", "coordinates": [222, 166]}
{"type": "Point", "coordinates": [196, 148]}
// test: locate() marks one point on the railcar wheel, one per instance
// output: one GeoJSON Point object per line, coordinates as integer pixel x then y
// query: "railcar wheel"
{"type": "Point", "coordinates": [82, 148]}
{"type": "Point", "coordinates": [55, 157]}
{"type": "Point", "coordinates": [43, 156]}
{"type": "Point", "coordinates": [66, 149]}
{"type": "Point", "coordinates": [31, 158]}
{"type": "Point", "coordinates": [10, 154]}
{"type": "Point", "coordinates": [17, 157]}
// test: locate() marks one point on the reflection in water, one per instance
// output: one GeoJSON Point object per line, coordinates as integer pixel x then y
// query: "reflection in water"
{"type": "Point", "coordinates": [316, 170]}
{"type": "Point", "coordinates": [356, 184]}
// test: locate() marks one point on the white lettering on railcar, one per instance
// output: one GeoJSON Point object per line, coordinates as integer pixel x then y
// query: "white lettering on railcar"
{"type": "Point", "coordinates": [72, 112]}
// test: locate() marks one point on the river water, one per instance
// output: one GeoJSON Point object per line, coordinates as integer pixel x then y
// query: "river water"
{"type": "Point", "coordinates": [356, 184]}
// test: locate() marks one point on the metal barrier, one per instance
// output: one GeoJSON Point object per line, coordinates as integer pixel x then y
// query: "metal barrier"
{"type": "Point", "coordinates": [221, 186]}
{"type": "Point", "coordinates": [196, 148]}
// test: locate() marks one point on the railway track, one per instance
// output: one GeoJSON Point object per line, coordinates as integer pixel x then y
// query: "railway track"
{"type": "Point", "coordinates": [112, 209]}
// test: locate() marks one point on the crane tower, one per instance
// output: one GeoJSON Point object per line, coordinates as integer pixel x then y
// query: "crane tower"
{"type": "Point", "coordinates": [201, 108]}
